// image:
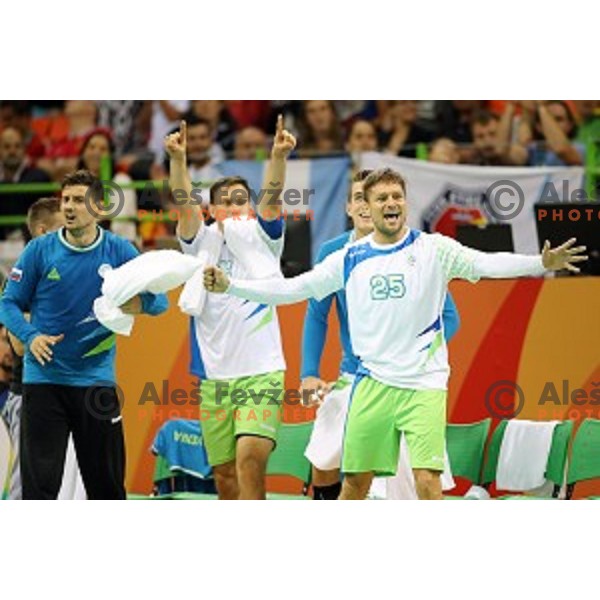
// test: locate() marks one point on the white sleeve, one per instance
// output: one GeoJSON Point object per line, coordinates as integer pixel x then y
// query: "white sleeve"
{"type": "Point", "coordinates": [196, 244]}
{"type": "Point", "coordinates": [461, 262]}
{"type": "Point", "coordinates": [324, 279]}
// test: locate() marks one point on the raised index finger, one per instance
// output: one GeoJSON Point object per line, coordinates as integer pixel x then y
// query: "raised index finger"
{"type": "Point", "coordinates": [183, 132]}
{"type": "Point", "coordinates": [279, 124]}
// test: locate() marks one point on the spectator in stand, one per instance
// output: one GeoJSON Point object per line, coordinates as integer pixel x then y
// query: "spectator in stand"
{"type": "Point", "coordinates": [250, 144]}
{"type": "Point", "coordinates": [17, 114]}
{"type": "Point", "coordinates": [222, 124]}
{"type": "Point", "coordinates": [404, 133]}
{"type": "Point", "coordinates": [166, 115]}
{"type": "Point", "coordinates": [202, 165]}
{"type": "Point", "coordinates": [126, 120]}
{"type": "Point", "coordinates": [454, 119]}
{"type": "Point", "coordinates": [362, 137]}
{"type": "Point", "coordinates": [66, 136]}
{"type": "Point", "coordinates": [15, 168]}
{"type": "Point", "coordinates": [319, 128]}
{"type": "Point", "coordinates": [96, 146]}
{"type": "Point", "coordinates": [251, 113]}
{"type": "Point", "coordinates": [444, 151]}
{"type": "Point", "coordinates": [546, 136]}
{"type": "Point", "coordinates": [488, 147]}
{"type": "Point", "coordinates": [349, 111]}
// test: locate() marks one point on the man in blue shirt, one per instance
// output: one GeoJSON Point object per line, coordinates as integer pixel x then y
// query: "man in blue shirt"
{"type": "Point", "coordinates": [325, 447]}
{"type": "Point", "coordinates": [69, 378]}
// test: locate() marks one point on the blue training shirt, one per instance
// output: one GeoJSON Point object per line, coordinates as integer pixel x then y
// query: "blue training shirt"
{"type": "Point", "coordinates": [57, 283]}
{"type": "Point", "coordinates": [317, 314]}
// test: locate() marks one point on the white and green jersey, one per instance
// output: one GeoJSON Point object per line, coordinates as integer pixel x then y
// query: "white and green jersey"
{"type": "Point", "coordinates": [235, 338]}
{"type": "Point", "coordinates": [395, 295]}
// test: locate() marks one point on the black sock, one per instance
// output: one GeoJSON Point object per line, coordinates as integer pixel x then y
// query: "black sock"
{"type": "Point", "coordinates": [327, 492]}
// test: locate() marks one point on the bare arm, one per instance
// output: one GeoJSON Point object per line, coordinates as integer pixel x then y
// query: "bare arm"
{"type": "Point", "coordinates": [270, 203]}
{"type": "Point", "coordinates": [180, 183]}
{"type": "Point", "coordinates": [556, 138]}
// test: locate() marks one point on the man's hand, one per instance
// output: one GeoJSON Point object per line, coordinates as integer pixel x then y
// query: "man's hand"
{"type": "Point", "coordinates": [133, 306]}
{"type": "Point", "coordinates": [313, 391]}
{"type": "Point", "coordinates": [562, 257]}
{"type": "Point", "coordinates": [176, 143]}
{"type": "Point", "coordinates": [284, 142]}
{"type": "Point", "coordinates": [41, 347]}
{"type": "Point", "coordinates": [215, 280]}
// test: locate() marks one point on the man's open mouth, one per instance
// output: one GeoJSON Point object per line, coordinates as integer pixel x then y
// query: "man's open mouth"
{"type": "Point", "coordinates": [392, 218]}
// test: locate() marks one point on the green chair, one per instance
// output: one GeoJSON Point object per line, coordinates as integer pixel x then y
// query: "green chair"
{"type": "Point", "coordinates": [288, 457]}
{"type": "Point", "coordinates": [555, 467]}
{"type": "Point", "coordinates": [465, 443]}
{"type": "Point", "coordinates": [585, 456]}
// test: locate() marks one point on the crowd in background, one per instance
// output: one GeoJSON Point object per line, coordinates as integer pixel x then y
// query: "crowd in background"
{"type": "Point", "coordinates": [40, 141]}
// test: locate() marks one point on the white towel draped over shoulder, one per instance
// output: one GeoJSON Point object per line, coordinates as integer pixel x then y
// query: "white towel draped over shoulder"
{"type": "Point", "coordinates": [250, 245]}
{"type": "Point", "coordinates": [157, 271]}
{"type": "Point", "coordinates": [524, 455]}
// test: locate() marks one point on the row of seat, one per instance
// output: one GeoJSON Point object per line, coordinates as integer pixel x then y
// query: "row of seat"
{"type": "Point", "coordinates": [473, 455]}
{"type": "Point", "coordinates": [477, 461]}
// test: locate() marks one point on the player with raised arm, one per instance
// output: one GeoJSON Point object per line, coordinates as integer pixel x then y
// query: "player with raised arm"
{"type": "Point", "coordinates": [324, 449]}
{"type": "Point", "coordinates": [236, 345]}
{"type": "Point", "coordinates": [396, 281]}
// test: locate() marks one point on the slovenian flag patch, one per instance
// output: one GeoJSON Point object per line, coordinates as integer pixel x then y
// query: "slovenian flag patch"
{"type": "Point", "coordinates": [16, 274]}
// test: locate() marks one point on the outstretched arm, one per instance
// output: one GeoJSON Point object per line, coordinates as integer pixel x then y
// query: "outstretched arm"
{"type": "Point", "coordinates": [270, 203]}
{"type": "Point", "coordinates": [324, 279]}
{"type": "Point", "coordinates": [461, 262]}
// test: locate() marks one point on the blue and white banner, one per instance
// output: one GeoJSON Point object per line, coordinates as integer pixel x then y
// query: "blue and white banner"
{"type": "Point", "coordinates": [318, 185]}
{"type": "Point", "coordinates": [442, 196]}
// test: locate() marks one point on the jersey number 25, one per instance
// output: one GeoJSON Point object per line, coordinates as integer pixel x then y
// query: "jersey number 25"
{"type": "Point", "coordinates": [387, 286]}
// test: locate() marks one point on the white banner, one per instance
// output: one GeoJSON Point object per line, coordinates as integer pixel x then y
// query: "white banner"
{"type": "Point", "coordinates": [442, 196]}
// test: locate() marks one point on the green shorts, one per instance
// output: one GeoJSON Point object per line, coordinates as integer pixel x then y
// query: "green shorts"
{"type": "Point", "coordinates": [235, 407]}
{"type": "Point", "coordinates": [377, 416]}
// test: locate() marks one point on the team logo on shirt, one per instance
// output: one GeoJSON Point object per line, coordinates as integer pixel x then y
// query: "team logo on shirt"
{"type": "Point", "coordinates": [16, 274]}
{"type": "Point", "coordinates": [54, 275]}
{"type": "Point", "coordinates": [226, 266]}
{"type": "Point", "coordinates": [457, 206]}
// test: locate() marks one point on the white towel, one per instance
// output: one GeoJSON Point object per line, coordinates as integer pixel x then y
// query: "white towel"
{"type": "Point", "coordinates": [247, 243]}
{"type": "Point", "coordinates": [157, 272]}
{"type": "Point", "coordinates": [249, 246]}
{"type": "Point", "coordinates": [524, 455]}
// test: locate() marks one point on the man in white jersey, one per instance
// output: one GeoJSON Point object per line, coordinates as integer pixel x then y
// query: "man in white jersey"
{"type": "Point", "coordinates": [396, 282]}
{"type": "Point", "coordinates": [236, 344]}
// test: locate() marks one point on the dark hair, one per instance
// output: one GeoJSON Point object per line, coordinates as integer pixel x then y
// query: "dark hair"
{"type": "Point", "coordinates": [386, 175]}
{"type": "Point", "coordinates": [355, 122]}
{"type": "Point", "coordinates": [40, 210]}
{"type": "Point", "coordinates": [227, 182]}
{"type": "Point", "coordinates": [306, 133]}
{"type": "Point", "coordinates": [359, 176]}
{"type": "Point", "coordinates": [192, 120]}
{"type": "Point", "coordinates": [84, 177]}
{"type": "Point", "coordinates": [483, 117]}
{"type": "Point", "coordinates": [567, 108]}
{"type": "Point", "coordinates": [105, 133]}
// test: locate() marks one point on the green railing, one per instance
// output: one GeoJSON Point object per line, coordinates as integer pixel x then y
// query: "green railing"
{"type": "Point", "coordinates": [592, 177]}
